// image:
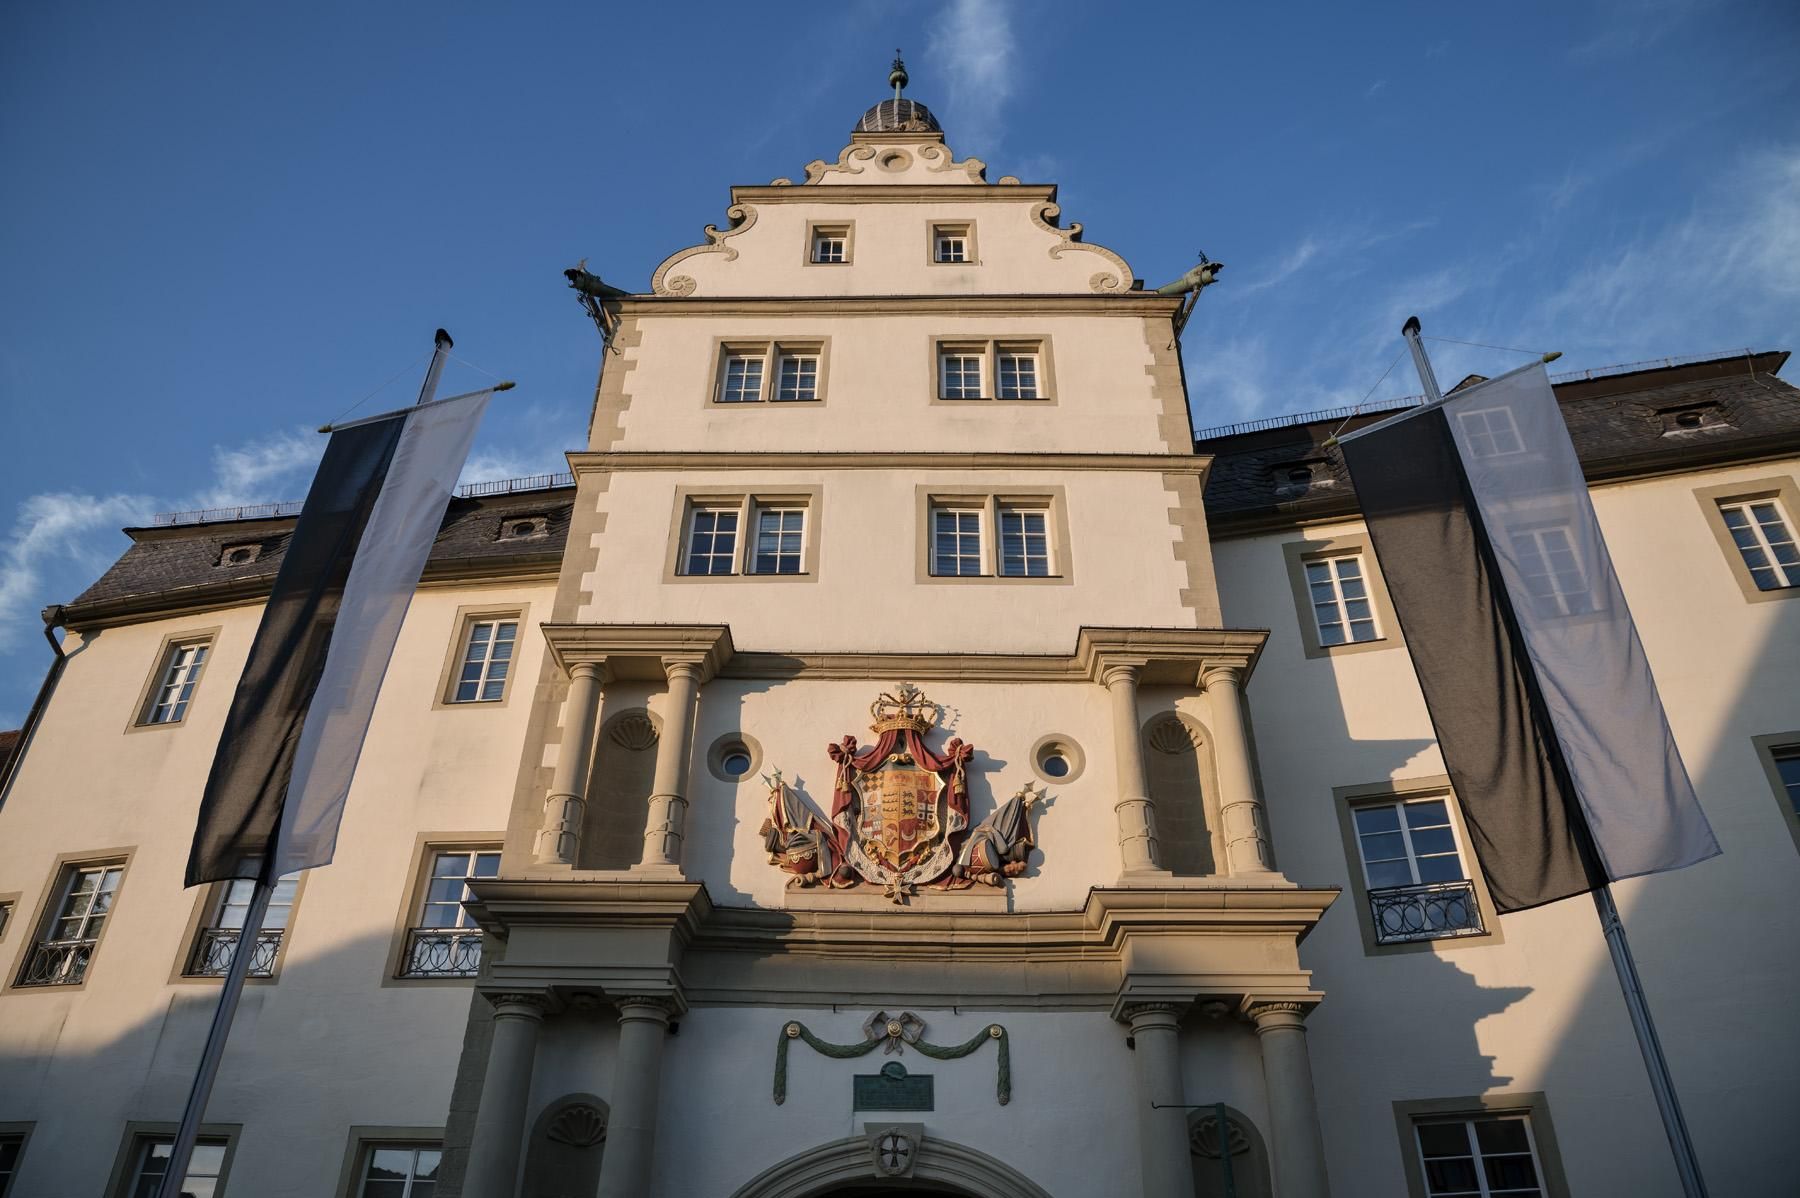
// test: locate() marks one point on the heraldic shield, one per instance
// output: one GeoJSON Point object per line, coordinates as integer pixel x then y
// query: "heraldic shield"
{"type": "Point", "coordinates": [899, 811]}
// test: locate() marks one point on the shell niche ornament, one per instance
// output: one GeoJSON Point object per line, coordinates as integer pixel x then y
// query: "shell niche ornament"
{"type": "Point", "coordinates": [899, 813]}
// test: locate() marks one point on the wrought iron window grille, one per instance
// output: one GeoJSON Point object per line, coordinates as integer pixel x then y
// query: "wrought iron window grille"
{"type": "Point", "coordinates": [1432, 911]}
{"type": "Point", "coordinates": [58, 963]}
{"type": "Point", "coordinates": [442, 953]}
{"type": "Point", "coordinates": [216, 946]}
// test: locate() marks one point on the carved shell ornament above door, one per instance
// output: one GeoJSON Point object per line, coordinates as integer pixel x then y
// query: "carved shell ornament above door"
{"type": "Point", "coordinates": [899, 813]}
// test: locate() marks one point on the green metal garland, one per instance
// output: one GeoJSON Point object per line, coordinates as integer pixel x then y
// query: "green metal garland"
{"type": "Point", "coordinates": [844, 1052]}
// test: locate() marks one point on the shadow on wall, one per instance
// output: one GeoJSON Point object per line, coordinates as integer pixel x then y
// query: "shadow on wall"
{"type": "Point", "coordinates": [322, 1049]}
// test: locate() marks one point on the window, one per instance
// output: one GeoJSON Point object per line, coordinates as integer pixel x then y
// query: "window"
{"type": "Point", "coordinates": [1479, 1157]}
{"type": "Point", "coordinates": [953, 243]}
{"type": "Point", "coordinates": [830, 244]}
{"type": "Point", "coordinates": [1780, 755]}
{"type": "Point", "coordinates": [1007, 370]}
{"type": "Point", "coordinates": [1342, 610]}
{"type": "Point", "coordinates": [754, 536]}
{"type": "Point", "coordinates": [177, 676]}
{"type": "Point", "coordinates": [444, 941]}
{"type": "Point", "coordinates": [765, 372]}
{"type": "Point", "coordinates": [6, 910]}
{"type": "Point", "coordinates": [1340, 603]}
{"type": "Point", "coordinates": [1764, 537]}
{"type": "Point", "coordinates": [1412, 866]}
{"type": "Point", "coordinates": [712, 541]}
{"type": "Point", "coordinates": [1024, 542]}
{"type": "Point", "coordinates": [12, 1147]}
{"type": "Point", "coordinates": [1552, 572]}
{"type": "Point", "coordinates": [399, 1171]}
{"type": "Point", "coordinates": [205, 1173]}
{"type": "Point", "coordinates": [1490, 432]}
{"type": "Point", "coordinates": [223, 927]}
{"type": "Point", "coordinates": [956, 542]}
{"type": "Point", "coordinates": [487, 656]}
{"type": "Point", "coordinates": [779, 533]}
{"type": "Point", "coordinates": [85, 895]}
{"type": "Point", "coordinates": [1787, 769]}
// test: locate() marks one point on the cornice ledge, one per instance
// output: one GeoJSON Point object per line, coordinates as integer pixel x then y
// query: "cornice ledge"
{"type": "Point", "coordinates": [1130, 303]}
{"type": "Point", "coordinates": [502, 904]}
{"type": "Point", "coordinates": [1117, 913]}
{"type": "Point", "coordinates": [863, 193]}
{"type": "Point", "coordinates": [1240, 992]}
{"type": "Point", "coordinates": [588, 462]}
{"type": "Point", "coordinates": [1169, 655]}
{"type": "Point", "coordinates": [709, 645]}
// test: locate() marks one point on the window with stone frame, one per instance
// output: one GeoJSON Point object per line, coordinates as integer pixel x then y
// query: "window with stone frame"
{"type": "Point", "coordinates": [12, 1147]}
{"type": "Point", "coordinates": [222, 925]}
{"type": "Point", "coordinates": [749, 535]}
{"type": "Point", "coordinates": [771, 372]}
{"type": "Point", "coordinates": [73, 925]}
{"type": "Point", "coordinates": [150, 1162]}
{"type": "Point", "coordinates": [1479, 1156]}
{"type": "Point", "coordinates": [780, 546]}
{"type": "Point", "coordinates": [177, 677]}
{"type": "Point", "coordinates": [712, 540]}
{"type": "Point", "coordinates": [983, 369]}
{"type": "Point", "coordinates": [486, 660]}
{"type": "Point", "coordinates": [1343, 611]}
{"type": "Point", "coordinates": [399, 1171]}
{"type": "Point", "coordinates": [830, 245]}
{"type": "Point", "coordinates": [1412, 864]}
{"type": "Point", "coordinates": [444, 940]}
{"type": "Point", "coordinates": [1025, 541]}
{"type": "Point", "coordinates": [956, 541]}
{"type": "Point", "coordinates": [1763, 531]}
{"type": "Point", "coordinates": [952, 243]}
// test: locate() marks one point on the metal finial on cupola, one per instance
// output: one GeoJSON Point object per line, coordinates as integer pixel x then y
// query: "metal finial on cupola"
{"type": "Point", "coordinates": [898, 76]}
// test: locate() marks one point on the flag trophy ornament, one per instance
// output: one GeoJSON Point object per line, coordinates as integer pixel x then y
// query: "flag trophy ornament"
{"type": "Point", "coordinates": [289, 748]}
{"type": "Point", "coordinates": [1539, 691]}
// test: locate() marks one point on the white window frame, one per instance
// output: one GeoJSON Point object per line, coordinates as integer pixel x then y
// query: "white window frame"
{"type": "Point", "coordinates": [145, 1145]}
{"type": "Point", "coordinates": [1005, 352]}
{"type": "Point", "coordinates": [1340, 603]}
{"type": "Point", "coordinates": [731, 557]}
{"type": "Point", "coordinates": [797, 357]}
{"type": "Point", "coordinates": [1564, 592]}
{"type": "Point", "coordinates": [91, 929]}
{"type": "Point", "coordinates": [474, 853]}
{"type": "Point", "coordinates": [771, 360]}
{"type": "Point", "coordinates": [1023, 511]}
{"type": "Point", "coordinates": [962, 354]}
{"type": "Point", "coordinates": [225, 910]}
{"type": "Point", "coordinates": [828, 238]}
{"type": "Point", "coordinates": [990, 355]}
{"type": "Point", "coordinates": [1490, 438]}
{"type": "Point", "coordinates": [367, 1163]}
{"type": "Point", "coordinates": [1476, 1158]}
{"type": "Point", "coordinates": [982, 539]}
{"type": "Point", "coordinates": [489, 660]}
{"type": "Point", "coordinates": [1405, 832]}
{"type": "Point", "coordinates": [1786, 576]}
{"type": "Point", "coordinates": [753, 555]}
{"type": "Point", "coordinates": [944, 236]}
{"type": "Point", "coordinates": [747, 511]}
{"type": "Point", "coordinates": [745, 357]}
{"type": "Point", "coordinates": [179, 670]}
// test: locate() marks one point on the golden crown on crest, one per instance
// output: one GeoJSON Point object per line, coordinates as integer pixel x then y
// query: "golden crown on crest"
{"type": "Point", "coordinates": [904, 707]}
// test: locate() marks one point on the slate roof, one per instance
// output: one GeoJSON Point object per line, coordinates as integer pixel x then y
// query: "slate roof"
{"type": "Point", "coordinates": [1621, 424]}
{"type": "Point", "coordinates": [181, 566]}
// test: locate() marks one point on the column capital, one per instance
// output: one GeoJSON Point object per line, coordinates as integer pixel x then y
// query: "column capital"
{"type": "Point", "coordinates": [1120, 673]}
{"type": "Point", "coordinates": [517, 1005]}
{"type": "Point", "coordinates": [588, 669]}
{"type": "Point", "coordinates": [684, 667]}
{"type": "Point", "coordinates": [1142, 1015]}
{"type": "Point", "coordinates": [1277, 1015]}
{"type": "Point", "coordinates": [1222, 674]}
{"type": "Point", "coordinates": [644, 1008]}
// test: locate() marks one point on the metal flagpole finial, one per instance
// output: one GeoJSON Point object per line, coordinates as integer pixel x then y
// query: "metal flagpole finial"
{"type": "Point", "coordinates": [898, 76]}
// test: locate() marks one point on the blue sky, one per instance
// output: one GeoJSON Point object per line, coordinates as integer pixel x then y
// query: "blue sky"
{"type": "Point", "coordinates": [222, 225]}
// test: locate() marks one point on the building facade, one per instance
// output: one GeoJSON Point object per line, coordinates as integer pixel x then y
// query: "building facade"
{"type": "Point", "coordinates": [904, 759]}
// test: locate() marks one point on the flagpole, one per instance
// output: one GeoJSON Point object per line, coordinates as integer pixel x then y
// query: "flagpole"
{"type": "Point", "coordinates": [181, 1152]}
{"type": "Point", "coordinates": [1662, 1083]}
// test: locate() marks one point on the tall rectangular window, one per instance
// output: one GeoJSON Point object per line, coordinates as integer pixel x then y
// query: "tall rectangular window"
{"type": "Point", "coordinates": [1479, 1157]}
{"type": "Point", "coordinates": [959, 374]}
{"type": "Point", "coordinates": [1018, 374]}
{"type": "Point", "coordinates": [444, 941]}
{"type": "Point", "coordinates": [1340, 600]}
{"type": "Point", "coordinates": [1418, 889]}
{"type": "Point", "coordinates": [179, 675]}
{"type": "Point", "coordinates": [956, 542]}
{"type": "Point", "coordinates": [66, 944]}
{"type": "Point", "coordinates": [1764, 536]}
{"type": "Point", "coordinates": [797, 377]}
{"type": "Point", "coordinates": [1024, 542]}
{"type": "Point", "coordinates": [1552, 572]}
{"type": "Point", "coordinates": [712, 541]}
{"type": "Point", "coordinates": [486, 659]}
{"type": "Point", "coordinates": [205, 1172]}
{"type": "Point", "coordinates": [830, 244]}
{"type": "Point", "coordinates": [1787, 768]}
{"type": "Point", "coordinates": [780, 534]}
{"type": "Point", "coordinates": [742, 379]}
{"type": "Point", "coordinates": [394, 1171]}
{"type": "Point", "coordinates": [224, 926]}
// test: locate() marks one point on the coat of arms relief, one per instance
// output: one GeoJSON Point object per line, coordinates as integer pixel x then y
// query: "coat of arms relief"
{"type": "Point", "coordinates": [899, 813]}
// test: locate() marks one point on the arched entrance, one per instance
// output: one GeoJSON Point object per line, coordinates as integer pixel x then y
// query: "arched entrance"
{"type": "Point", "coordinates": [846, 1169]}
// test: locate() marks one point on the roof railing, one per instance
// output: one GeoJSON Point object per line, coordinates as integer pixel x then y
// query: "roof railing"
{"type": "Point", "coordinates": [291, 507]}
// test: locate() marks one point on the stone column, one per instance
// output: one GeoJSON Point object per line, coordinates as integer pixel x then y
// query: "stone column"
{"type": "Point", "coordinates": [1162, 1127]}
{"type": "Point", "coordinates": [1240, 806]}
{"type": "Point", "coordinates": [1297, 1148]}
{"type": "Point", "coordinates": [627, 1168]}
{"type": "Point", "coordinates": [559, 837]}
{"type": "Point", "coordinates": [668, 794]}
{"type": "Point", "coordinates": [493, 1170]}
{"type": "Point", "coordinates": [1136, 817]}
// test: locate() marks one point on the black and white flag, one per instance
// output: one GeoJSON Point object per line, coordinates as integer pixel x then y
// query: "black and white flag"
{"type": "Point", "coordinates": [1543, 702]}
{"type": "Point", "coordinates": [302, 707]}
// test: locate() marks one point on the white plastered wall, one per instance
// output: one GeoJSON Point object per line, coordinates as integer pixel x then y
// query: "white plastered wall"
{"type": "Point", "coordinates": [1542, 1011]}
{"type": "Point", "coordinates": [328, 1045]}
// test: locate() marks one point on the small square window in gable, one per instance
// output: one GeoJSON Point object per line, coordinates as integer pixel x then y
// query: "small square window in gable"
{"type": "Point", "coordinates": [241, 554]}
{"type": "Point", "coordinates": [534, 526]}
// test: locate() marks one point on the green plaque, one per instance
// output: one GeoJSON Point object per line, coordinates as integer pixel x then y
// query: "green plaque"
{"type": "Point", "coordinates": [893, 1089]}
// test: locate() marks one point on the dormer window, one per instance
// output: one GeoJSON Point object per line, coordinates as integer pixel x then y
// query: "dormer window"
{"type": "Point", "coordinates": [240, 555]}
{"type": "Point", "coordinates": [1692, 417]}
{"type": "Point", "coordinates": [830, 245]}
{"type": "Point", "coordinates": [520, 528]}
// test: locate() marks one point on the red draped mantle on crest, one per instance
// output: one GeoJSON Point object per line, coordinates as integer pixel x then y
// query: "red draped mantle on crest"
{"type": "Point", "coordinates": [949, 767]}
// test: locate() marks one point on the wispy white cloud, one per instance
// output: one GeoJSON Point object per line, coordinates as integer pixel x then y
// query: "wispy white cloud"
{"type": "Point", "coordinates": [58, 533]}
{"type": "Point", "coordinates": [1632, 26]}
{"type": "Point", "coordinates": [1374, 89]}
{"type": "Point", "coordinates": [972, 45]}
{"type": "Point", "coordinates": [254, 472]}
